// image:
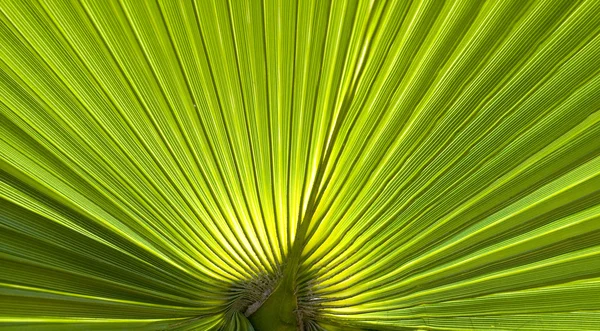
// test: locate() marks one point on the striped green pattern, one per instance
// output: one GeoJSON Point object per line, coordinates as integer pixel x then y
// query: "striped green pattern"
{"type": "Point", "coordinates": [407, 165]}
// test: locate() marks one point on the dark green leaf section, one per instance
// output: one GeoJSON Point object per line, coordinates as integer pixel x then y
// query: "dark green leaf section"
{"type": "Point", "coordinates": [238, 322]}
{"type": "Point", "coordinates": [317, 165]}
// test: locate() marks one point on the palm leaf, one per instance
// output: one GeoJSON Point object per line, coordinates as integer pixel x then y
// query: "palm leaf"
{"type": "Point", "coordinates": [316, 165]}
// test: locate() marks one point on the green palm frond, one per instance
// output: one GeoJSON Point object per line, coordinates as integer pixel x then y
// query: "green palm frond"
{"type": "Point", "coordinates": [315, 165]}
